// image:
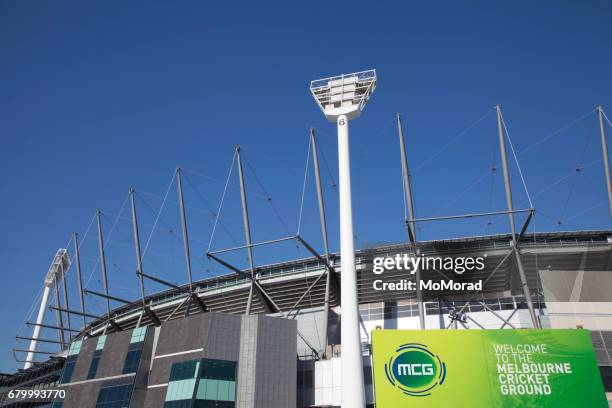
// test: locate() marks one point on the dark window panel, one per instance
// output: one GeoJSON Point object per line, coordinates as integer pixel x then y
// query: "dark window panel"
{"type": "Point", "coordinates": [131, 361]}
{"type": "Point", "coordinates": [183, 370]}
{"type": "Point", "coordinates": [114, 397]}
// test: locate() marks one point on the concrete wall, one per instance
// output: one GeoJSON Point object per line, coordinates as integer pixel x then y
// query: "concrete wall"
{"type": "Point", "coordinates": [264, 347]}
{"type": "Point", "coordinates": [267, 367]}
{"type": "Point", "coordinates": [83, 393]}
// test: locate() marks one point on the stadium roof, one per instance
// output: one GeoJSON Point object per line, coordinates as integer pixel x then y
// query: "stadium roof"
{"type": "Point", "coordinates": [287, 282]}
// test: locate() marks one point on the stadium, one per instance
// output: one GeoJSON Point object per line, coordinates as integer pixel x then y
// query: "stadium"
{"type": "Point", "coordinates": [271, 335]}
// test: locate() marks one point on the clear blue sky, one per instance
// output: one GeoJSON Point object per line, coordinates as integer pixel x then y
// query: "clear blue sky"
{"type": "Point", "coordinates": [97, 98]}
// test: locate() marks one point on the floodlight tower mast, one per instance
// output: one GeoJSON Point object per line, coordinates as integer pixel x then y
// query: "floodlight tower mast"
{"type": "Point", "coordinates": [342, 98]}
{"type": "Point", "coordinates": [57, 270]}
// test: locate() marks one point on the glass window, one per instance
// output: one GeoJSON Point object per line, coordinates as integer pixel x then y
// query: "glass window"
{"type": "Point", "coordinates": [138, 334]}
{"type": "Point", "coordinates": [101, 342]}
{"type": "Point", "coordinates": [68, 370]}
{"type": "Point", "coordinates": [131, 361]}
{"type": "Point", "coordinates": [183, 370]}
{"type": "Point", "coordinates": [214, 383]}
{"type": "Point", "coordinates": [75, 348]}
{"type": "Point", "coordinates": [93, 367]}
{"type": "Point", "coordinates": [217, 385]}
{"type": "Point", "coordinates": [114, 397]}
{"type": "Point", "coordinates": [219, 370]}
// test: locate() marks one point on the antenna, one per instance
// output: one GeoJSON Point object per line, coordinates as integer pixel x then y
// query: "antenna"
{"type": "Point", "coordinates": [342, 98]}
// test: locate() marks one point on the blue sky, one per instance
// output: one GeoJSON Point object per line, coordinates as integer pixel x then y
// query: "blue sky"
{"type": "Point", "coordinates": [98, 98]}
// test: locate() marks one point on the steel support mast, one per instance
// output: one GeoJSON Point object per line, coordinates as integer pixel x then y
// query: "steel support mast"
{"type": "Point", "coordinates": [515, 243]}
{"type": "Point", "coordinates": [410, 225]}
{"type": "Point", "coordinates": [137, 246]}
{"type": "Point", "coordinates": [322, 219]}
{"type": "Point", "coordinates": [192, 295]}
{"type": "Point", "coordinates": [604, 151]}
{"type": "Point", "coordinates": [247, 229]}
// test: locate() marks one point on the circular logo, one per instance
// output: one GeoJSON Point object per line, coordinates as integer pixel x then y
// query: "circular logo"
{"type": "Point", "coordinates": [415, 370]}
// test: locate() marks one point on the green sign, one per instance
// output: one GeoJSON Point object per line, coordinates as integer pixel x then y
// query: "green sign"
{"type": "Point", "coordinates": [486, 368]}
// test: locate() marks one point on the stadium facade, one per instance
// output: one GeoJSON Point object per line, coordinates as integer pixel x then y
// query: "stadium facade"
{"type": "Point", "coordinates": [222, 357]}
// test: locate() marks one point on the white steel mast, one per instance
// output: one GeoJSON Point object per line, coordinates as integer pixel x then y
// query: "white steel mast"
{"type": "Point", "coordinates": [57, 270]}
{"type": "Point", "coordinates": [341, 99]}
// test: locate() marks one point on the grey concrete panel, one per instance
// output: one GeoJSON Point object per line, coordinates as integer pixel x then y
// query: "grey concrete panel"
{"type": "Point", "coordinates": [113, 355]}
{"type": "Point", "coordinates": [183, 334]}
{"type": "Point", "coordinates": [82, 395]}
{"type": "Point", "coordinates": [155, 397]}
{"type": "Point", "coordinates": [223, 342]}
{"type": "Point", "coordinates": [276, 363]}
{"type": "Point", "coordinates": [267, 367]}
{"type": "Point", "coordinates": [81, 369]}
{"type": "Point", "coordinates": [245, 393]}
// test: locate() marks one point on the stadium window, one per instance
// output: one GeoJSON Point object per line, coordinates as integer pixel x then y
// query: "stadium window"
{"type": "Point", "coordinates": [117, 396]}
{"type": "Point", "coordinates": [182, 384]}
{"type": "Point", "coordinates": [75, 348]}
{"type": "Point", "coordinates": [132, 359]}
{"type": "Point", "coordinates": [217, 385]}
{"type": "Point", "coordinates": [101, 342]}
{"type": "Point", "coordinates": [93, 367]}
{"type": "Point", "coordinates": [68, 369]}
{"type": "Point", "coordinates": [183, 370]}
{"type": "Point", "coordinates": [219, 370]}
{"type": "Point", "coordinates": [138, 335]}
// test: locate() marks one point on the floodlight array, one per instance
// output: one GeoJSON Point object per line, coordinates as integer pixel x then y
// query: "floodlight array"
{"type": "Point", "coordinates": [344, 93]}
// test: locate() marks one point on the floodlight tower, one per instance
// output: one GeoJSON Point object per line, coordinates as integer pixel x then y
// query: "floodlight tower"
{"type": "Point", "coordinates": [342, 98]}
{"type": "Point", "coordinates": [57, 271]}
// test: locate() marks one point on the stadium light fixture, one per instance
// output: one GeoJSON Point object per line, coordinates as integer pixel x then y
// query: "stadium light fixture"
{"type": "Point", "coordinates": [57, 271]}
{"type": "Point", "coordinates": [344, 95]}
{"type": "Point", "coordinates": [342, 98]}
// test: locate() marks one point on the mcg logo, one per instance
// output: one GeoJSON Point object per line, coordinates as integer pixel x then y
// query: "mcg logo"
{"type": "Point", "coordinates": [415, 370]}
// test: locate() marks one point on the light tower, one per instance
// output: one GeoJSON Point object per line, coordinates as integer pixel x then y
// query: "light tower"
{"type": "Point", "coordinates": [57, 271]}
{"type": "Point", "coordinates": [342, 98]}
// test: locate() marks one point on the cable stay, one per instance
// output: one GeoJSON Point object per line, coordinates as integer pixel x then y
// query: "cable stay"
{"type": "Point", "coordinates": [218, 212]}
{"type": "Point", "coordinates": [301, 212]}
{"type": "Point", "coordinates": [518, 166]}
{"type": "Point", "coordinates": [267, 195]}
{"type": "Point", "coordinates": [556, 132]}
{"type": "Point", "coordinates": [453, 140]}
